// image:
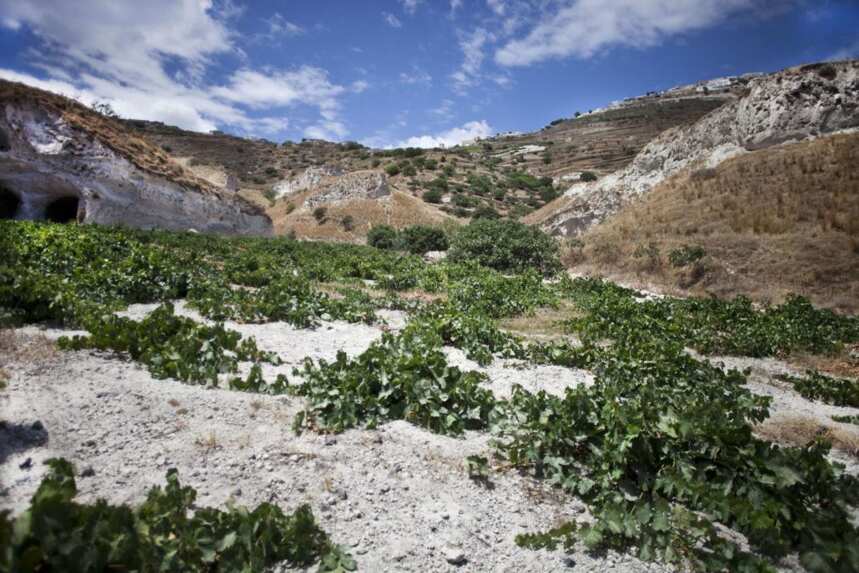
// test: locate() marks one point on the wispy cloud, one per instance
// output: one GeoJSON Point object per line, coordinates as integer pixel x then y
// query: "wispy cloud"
{"type": "Point", "coordinates": [280, 28]}
{"type": "Point", "coordinates": [846, 53]}
{"type": "Point", "coordinates": [410, 6]}
{"type": "Point", "coordinates": [582, 28]}
{"type": "Point", "coordinates": [416, 76]}
{"type": "Point", "coordinates": [472, 46]}
{"type": "Point", "coordinates": [391, 20]}
{"type": "Point", "coordinates": [122, 55]}
{"type": "Point", "coordinates": [455, 136]}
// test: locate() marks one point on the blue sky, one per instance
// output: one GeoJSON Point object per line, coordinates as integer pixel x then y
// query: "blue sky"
{"type": "Point", "coordinates": [400, 72]}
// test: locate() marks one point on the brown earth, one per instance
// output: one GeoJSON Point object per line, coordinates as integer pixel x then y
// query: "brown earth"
{"type": "Point", "coordinates": [771, 222]}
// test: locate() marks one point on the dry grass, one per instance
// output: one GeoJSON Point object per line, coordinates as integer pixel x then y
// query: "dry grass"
{"type": "Point", "coordinates": [25, 349]}
{"type": "Point", "coordinates": [544, 323]}
{"type": "Point", "coordinates": [841, 365]}
{"type": "Point", "coordinates": [772, 222]}
{"type": "Point", "coordinates": [799, 431]}
{"type": "Point", "coordinates": [399, 210]}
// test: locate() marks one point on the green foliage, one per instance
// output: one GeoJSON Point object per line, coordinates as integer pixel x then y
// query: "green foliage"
{"type": "Point", "coordinates": [399, 377]}
{"type": "Point", "coordinates": [348, 223]}
{"type": "Point", "coordinates": [176, 347]}
{"type": "Point", "coordinates": [506, 246]}
{"type": "Point", "coordinates": [662, 449]}
{"type": "Point", "coordinates": [820, 387]}
{"type": "Point", "coordinates": [57, 533]}
{"type": "Point", "coordinates": [433, 196]}
{"type": "Point", "coordinates": [588, 176]}
{"type": "Point", "coordinates": [392, 169]}
{"type": "Point", "coordinates": [847, 419]}
{"type": "Point", "coordinates": [485, 212]}
{"type": "Point", "coordinates": [319, 214]}
{"type": "Point", "coordinates": [420, 239]}
{"type": "Point", "coordinates": [477, 467]}
{"type": "Point", "coordinates": [685, 255]}
{"type": "Point", "coordinates": [382, 237]}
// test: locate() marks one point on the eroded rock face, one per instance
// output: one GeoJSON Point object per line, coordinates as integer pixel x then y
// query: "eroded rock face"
{"type": "Point", "coordinates": [61, 172]}
{"type": "Point", "coordinates": [355, 185]}
{"type": "Point", "coordinates": [793, 105]}
{"type": "Point", "coordinates": [311, 178]}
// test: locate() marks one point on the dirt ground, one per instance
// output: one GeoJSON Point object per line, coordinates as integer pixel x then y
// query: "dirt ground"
{"type": "Point", "coordinates": [398, 498]}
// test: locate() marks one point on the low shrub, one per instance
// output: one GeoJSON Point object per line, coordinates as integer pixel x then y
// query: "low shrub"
{"type": "Point", "coordinates": [420, 239]}
{"type": "Point", "coordinates": [685, 255]}
{"type": "Point", "coordinates": [167, 532]}
{"type": "Point", "coordinates": [382, 237]}
{"type": "Point", "coordinates": [507, 246]}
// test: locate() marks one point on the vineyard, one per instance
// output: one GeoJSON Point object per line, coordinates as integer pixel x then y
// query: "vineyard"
{"type": "Point", "coordinates": [661, 446]}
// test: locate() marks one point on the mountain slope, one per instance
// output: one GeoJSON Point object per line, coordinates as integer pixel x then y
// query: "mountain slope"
{"type": "Point", "coordinates": [770, 222]}
{"type": "Point", "coordinates": [795, 104]}
{"type": "Point", "coordinates": [62, 161]}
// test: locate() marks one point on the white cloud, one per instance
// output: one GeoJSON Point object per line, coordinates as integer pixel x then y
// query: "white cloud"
{"type": "Point", "coordinates": [845, 53]}
{"type": "Point", "coordinates": [359, 86]}
{"type": "Point", "coordinates": [497, 6]}
{"type": "Point", "coordinates": [416, 76]}
{"type": "Point", "coordinates": [456, 136]}
{"type": "Point", "coordinates": [121, 52]}
{"type": "Point", "coordinates": [410, 6]}
{"type": "Point", "coordinates": [280, 28]}
{"type": "Point", "coordinates": [581, 28]}
{"type": "Point", "coordinates": [472, 45]}
{"type": "Point", "coordinates": [392, 20]}
{"type": "Point", "coordinates": [444, 110]}
{"type": "Point", "coordinates": [455, 5]}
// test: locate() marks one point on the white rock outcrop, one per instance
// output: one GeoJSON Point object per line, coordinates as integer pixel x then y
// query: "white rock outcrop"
{"type": "Point", "coordinates": [792, 105]}
{"type": "Point", "coordinates": [310, 178]}
{"type": "Point", "coordinates": [355, 185]}
{"type": "Point", "coordinates": [46, 161]}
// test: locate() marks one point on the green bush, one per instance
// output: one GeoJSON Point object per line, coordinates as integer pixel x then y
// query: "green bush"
{"type": "Point", "coordinates": [433, 196]}
{"type": "Point", "coordinates": [348, 223]}
{"type": "Point", "coordinates": [506, 245]}
{"type": "Point", "coordinates": [383, 237]}
{"type": "Point", "coordinates": [392, 169]}
{"type": "Point", "coordinates": [485, 212]}
{"type": "Point", "coordinates": [419, 239]}
{"type": "Point", "coordinates": [319, 214]}
{"type": "Point", "coordinates": [167, 532]}
{"type": "Point", "coordinates": [685, 256]}
{"type": "Point", "coordinates": [588, 176]}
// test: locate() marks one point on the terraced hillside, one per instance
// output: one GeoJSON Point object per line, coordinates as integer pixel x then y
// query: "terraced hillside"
{"type": "Point", "coordinates": [506, 175]}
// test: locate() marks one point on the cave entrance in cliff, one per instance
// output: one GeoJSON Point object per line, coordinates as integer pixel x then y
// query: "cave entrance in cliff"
{"type": "Point", "coordinates": [62, 210]}
{"type": "Point", "coordinates": [9, 204]}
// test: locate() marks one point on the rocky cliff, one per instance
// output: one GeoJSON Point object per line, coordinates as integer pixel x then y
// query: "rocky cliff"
{"type": "Point", "coordinates": [63, 162]}
{"type": "Point", "coordinates": [793, 105]}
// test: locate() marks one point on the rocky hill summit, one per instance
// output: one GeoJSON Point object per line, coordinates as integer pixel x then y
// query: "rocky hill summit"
{"type": "Point", "coordinates": [62, 161]}
{"type": "Point", "coordinates": [793, 105]}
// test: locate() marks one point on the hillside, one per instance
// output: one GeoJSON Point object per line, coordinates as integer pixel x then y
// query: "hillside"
{"type": "Point", "coordinates": [62, 161]}
{"type": "Point", "coordinates": [511, 175]}
{"type": "Point", "coordinates": [770, 222]}
{"type": "Point", "coordinates": [792, 105]}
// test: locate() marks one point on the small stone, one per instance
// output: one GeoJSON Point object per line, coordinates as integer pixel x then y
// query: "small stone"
{"type": "Point", "coordinates": [237, 492]}
{"type": "Point", "coordinates": [88, 472]}
{"type": "Point", "coordinates": [454, 556]}
{"type": "Point", "coordinates": [330, 440]}
{"type": "Point", "coordinates": [26, 464]}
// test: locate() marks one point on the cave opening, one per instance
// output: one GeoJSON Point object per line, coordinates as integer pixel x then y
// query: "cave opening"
{"type": "Point", "coordinates": [9, 204]}
{"type": "Point", "coordinates": [62, 210]}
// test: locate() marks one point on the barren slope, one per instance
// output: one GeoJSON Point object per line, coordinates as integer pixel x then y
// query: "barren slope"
{"type": "Point", "coordinates": [779, 220]}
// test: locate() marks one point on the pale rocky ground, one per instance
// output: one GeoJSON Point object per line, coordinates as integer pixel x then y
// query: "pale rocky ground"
{"type": "Point", "coordinates": [398, 498]}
